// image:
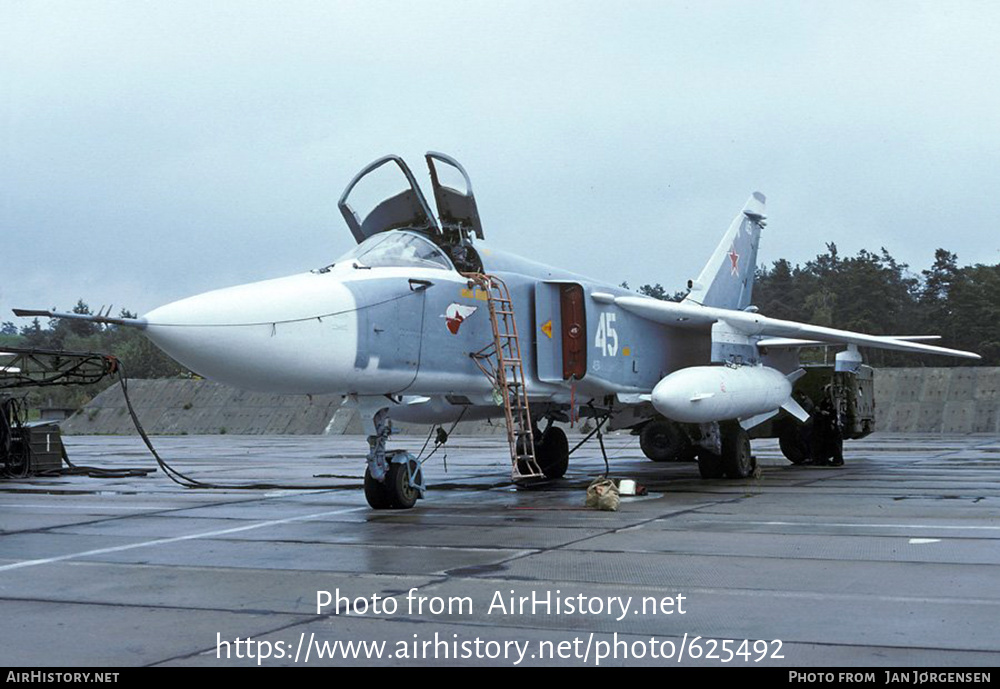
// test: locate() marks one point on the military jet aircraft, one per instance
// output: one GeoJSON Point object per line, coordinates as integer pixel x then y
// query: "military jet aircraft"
{"type": "Point", "coordinates": [424, 321]}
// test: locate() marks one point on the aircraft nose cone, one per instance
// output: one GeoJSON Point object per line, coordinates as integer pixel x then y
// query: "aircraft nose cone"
{"type": "Point", "coordinates": [293, 335]}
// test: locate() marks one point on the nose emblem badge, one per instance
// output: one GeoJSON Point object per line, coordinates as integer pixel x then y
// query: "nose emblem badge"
{"type": "Point", "coordinates": [455, 315]}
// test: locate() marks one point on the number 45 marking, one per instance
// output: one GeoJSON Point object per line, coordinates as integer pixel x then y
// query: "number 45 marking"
{"type": "Point", "coordinates": [606, 339]}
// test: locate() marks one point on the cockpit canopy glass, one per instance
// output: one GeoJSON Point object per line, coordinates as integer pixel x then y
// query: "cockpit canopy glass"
{"type": "Point", "coordinates": [397, 249]}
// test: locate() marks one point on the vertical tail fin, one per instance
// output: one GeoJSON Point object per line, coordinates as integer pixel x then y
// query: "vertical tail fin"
{"type": "Point", "coordinates": [726, 281]}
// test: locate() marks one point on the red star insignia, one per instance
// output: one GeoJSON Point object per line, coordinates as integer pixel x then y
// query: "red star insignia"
{"type": "Point", "coordinates": [734, 258]}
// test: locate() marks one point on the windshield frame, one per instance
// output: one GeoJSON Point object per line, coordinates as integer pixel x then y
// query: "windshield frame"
{"type": "Point", "coordinates": [386, 250]}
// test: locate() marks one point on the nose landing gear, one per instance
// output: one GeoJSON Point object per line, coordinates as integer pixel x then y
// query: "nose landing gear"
{"type": "Point", "coordinates": [393, 479]}
{"type": "Point", "coordinates": [401, 487]}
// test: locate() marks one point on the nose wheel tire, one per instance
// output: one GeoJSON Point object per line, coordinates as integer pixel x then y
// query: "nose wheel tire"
{"type": "Point", "coordinates": [376, 493]}
{"type": "Point", "coordinates": [403, 494]}
{"type": "Point", "coordinates": [396, 491]}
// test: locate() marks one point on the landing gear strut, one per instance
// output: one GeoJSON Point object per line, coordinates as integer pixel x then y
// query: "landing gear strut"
{"type": "Point", "coordinates": [393, 479]}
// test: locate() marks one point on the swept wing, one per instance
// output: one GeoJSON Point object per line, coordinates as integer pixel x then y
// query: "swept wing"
{"type": "Point", "coordinates": [752, 324]}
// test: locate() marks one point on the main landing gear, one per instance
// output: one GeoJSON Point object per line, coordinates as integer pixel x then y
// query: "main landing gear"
{"type": "Point", "coordinates": [795, 441]}
{"type": "Point", "coordinates": [664, 441]}
{"type": "Point", "coordinates": [551, 450]}
{"type": "Point", "coordinates": [720, 449]}
{"type": "Point", "coordinates": [735, 459]}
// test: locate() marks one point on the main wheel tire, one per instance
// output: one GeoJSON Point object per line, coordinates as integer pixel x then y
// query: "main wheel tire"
{"type": "Point", "coordinates": [661, 441]}
{"type": "Point", "coordinates": [552, 452]}
{"type": "Point", "coordinates": [377, 492]}
{"type": "Point", "coordinates": [737, 460]}
{"type": "Point", "coordinates": [401, 494]}
{"type": "Point", "coordinates": [710, 464]}
{"type": "Point", "coordinates": [794, 444]}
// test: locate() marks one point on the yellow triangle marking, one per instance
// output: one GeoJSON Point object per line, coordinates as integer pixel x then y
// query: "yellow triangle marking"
{"type": "Point", "coordinates": [547, 329]}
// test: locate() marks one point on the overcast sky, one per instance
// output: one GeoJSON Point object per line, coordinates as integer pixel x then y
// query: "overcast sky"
{"type": "Point", "coordinates": [154, 150]}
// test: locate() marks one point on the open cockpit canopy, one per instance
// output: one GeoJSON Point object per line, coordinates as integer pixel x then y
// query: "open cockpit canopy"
{"type": "Point", "coordinates": [408, 209]}
{"type": "Point", "coordinates": [452, 230]}
{"type": "Point", "coordinates": [457, 209]}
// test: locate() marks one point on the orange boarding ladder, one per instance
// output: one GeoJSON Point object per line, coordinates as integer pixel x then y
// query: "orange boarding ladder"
{"type": "Point", "coordinates": [500, 361]}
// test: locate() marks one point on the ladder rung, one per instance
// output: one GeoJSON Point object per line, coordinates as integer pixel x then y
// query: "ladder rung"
{"type": "Point", "coordinates": [517, 474]}
{"type": "Point", "coordinates": [508, 373]}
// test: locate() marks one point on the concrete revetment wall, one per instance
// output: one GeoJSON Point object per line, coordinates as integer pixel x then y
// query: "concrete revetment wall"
{"type": "Point", "coordinates": [200, 407]}
{"type": "Point", "coordinates": [963, 399]}
{"type": "Point", "coordinates": [908, 400]}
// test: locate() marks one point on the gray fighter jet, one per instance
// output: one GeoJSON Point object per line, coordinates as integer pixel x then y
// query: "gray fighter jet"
{"type": "Point", "coordinates": [424, 321]}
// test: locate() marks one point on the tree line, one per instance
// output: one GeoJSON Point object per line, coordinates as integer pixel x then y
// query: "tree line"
{"type": "Point", "coordinates": [873, 293]}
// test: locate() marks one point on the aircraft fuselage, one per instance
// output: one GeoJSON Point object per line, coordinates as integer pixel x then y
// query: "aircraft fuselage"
{"type": "Point", "coordinates": [410, 330]}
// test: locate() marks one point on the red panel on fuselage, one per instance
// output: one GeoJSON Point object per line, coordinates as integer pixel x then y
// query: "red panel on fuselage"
{"type": "Point", "coordinates": [574, 331]}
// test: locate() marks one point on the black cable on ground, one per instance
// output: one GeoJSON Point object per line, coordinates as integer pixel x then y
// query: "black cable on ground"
{"type": "Point", "coordinates": [96, 472]}
{"type": "Point", "coordinates": [186, 481]}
